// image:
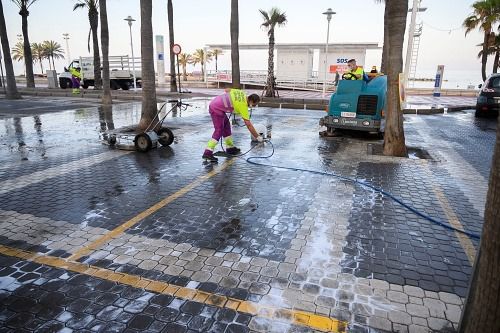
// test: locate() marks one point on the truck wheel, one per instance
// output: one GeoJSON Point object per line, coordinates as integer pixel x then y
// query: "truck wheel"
{"type": "Point", "coordinates": [64, 83]}
{"type": "Point", "coordinates": [143, 142]}
{"type": "Point", "coordinates": [165, 136]}
{"type": "Point", "coordinates": [114, 85]}
{"type": "Point", "coordinates": [85, 86]}
{"type": "Point", "coordinates": [124, 85]}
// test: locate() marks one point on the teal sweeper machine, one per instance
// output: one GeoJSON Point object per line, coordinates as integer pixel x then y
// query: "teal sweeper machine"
{"type": "Point", "coordinates": [357, 105]}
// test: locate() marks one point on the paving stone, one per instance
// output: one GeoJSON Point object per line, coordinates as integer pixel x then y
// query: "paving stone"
{"type": "Point", "coordinates": [417, 310]}
{"type": "Point", "coordinates": [438, 324]}
{"type": "Point", "coordinates": [414, 291]}
{"type": "Point", "coordinates": [381, 323]}
{"type": "Point", "coordinates": [450, 298]}
{"type": "Point", "coordinates": [453, 313]}
{"type": "Point", "coordinates": [397, 296]}
{"type": "Point", "coordinates": [400, 317]}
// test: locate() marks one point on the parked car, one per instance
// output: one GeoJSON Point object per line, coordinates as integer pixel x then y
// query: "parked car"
{"type": "Point", "coordinates": [488, 99]}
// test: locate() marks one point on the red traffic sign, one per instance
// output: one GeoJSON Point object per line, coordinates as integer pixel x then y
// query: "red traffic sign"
{"type": "Point", "coordinates": [176, 48]}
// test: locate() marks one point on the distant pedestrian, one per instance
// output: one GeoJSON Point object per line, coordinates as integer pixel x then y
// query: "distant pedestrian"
{"type": "Point", "coordinates": [337, 78]}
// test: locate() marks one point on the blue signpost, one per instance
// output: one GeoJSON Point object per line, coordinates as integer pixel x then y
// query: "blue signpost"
{"type": "Point", "coordinates": [439, 80]}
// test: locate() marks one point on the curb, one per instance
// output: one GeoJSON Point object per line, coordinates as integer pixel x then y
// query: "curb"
{"type": "Point", "coordinates": [285, 103]}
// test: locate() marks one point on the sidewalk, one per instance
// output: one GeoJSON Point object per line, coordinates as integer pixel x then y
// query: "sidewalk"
{"type": "Point", "coordinates": [289, 97]}
{"type": "Point", "coordinates": [98, 239]}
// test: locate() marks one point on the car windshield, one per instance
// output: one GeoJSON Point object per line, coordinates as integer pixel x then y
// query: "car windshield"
{"type": "Point", "coordinates": [495, 82]}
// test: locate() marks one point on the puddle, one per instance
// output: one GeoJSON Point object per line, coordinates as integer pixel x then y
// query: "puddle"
{"type": "Point", "coordinates": [414, 153]}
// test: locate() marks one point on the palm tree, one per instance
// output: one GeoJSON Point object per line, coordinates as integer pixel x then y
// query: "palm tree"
{"type": "Point", "coordinates": [485, 14]}
{"type": "Point", "coordinates": [24, 5]}
{"type": "Point", "coordinates": [170, 14]}
{"type": "Point", "coordinates": [38, 54]}
{"type": "Point", "coordinates": [385, 46]}
{"type": "Point", "coordinates": [11, 90]}
{"type": "Point", "coordinates": [184, 59]}
{"type": "Point", "coordinates": [216, 53]}
{"type": "Point", "coordinates": [201, 56]}
{"type": "Point", "coordinates": [92, 6]}
{"type": "Point", "coordinates": [272, 19]}
{"type": "Point", "coordinates": [492, 49]}
{"type": "Point", "coordinates": [149, 108]}
{"type": "Point", "coordinates": [106, 96]}
{"type": "Point", "coordinates": [481, 310]}
{"type": "Point", "coordinates": [395, 15]}
{"type": "Point", "coordinates": [235, 48]}
{"type": "Point", "coordinates": [18, 51]}
{"type": "Point", "coordinates": [53, 50]}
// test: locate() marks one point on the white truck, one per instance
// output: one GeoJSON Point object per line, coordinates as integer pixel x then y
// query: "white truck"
{"type": "Point", "coordinates": [121, 74]}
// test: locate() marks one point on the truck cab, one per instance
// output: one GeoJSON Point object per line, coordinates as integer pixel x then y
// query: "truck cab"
{"type": "Point", "coordinates": [357, 105]}
{"type": "Point", "coordinates": [120, 73]}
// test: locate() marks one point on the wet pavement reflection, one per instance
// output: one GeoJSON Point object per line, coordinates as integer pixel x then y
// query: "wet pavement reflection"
{"type": "Point", "coordinates": [216, 242]}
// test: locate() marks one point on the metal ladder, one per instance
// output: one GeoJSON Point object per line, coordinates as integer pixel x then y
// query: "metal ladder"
{"type": "Point", "coordinates": [414, 55]}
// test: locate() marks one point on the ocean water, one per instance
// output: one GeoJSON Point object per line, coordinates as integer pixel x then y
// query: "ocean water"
{"type": "Point", "coordinates": [452, 79]}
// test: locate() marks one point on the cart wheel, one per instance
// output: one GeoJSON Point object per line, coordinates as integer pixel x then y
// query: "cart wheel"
{"type": "Point", "coordinates": [143, 142]}
{"type": "Point", "coordinates": [112, 140]}
{"type": "Point", "coordinates": [165, 136]}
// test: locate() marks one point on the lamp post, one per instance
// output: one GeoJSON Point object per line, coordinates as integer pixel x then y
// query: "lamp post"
{"type": "Point", "coordinates": [329, 13]}
{"type": "Point", "coordinates": [66, 38]}
{"type": "Point", "coordinates": [129, 19]}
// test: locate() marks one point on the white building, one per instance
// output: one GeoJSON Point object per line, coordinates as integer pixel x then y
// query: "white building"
{"type": "Point", "coordinates": [296, 60]}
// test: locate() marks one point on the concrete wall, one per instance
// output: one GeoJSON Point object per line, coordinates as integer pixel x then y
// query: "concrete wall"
{"type": "Point", "coordinates": [294, 64]}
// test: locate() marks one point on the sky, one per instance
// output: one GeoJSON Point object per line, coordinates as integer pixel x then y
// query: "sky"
{"type": "Point", "coordinates": [201, 22]}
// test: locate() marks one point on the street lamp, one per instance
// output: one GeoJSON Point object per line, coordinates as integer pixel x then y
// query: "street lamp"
{"type": "Point", "coordinates": [329, 13]}
{"type": "Point", "coordinates": [66, 37]}
{"type": "Point", "coordinates": [129, 19]}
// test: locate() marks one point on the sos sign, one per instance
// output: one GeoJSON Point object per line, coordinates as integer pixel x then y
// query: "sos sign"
{"type": "Point", "coordinates": [342, 60]}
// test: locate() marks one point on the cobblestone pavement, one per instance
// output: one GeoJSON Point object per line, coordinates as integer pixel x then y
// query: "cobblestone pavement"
{"type": "Point", "coordinates": [98, 239]}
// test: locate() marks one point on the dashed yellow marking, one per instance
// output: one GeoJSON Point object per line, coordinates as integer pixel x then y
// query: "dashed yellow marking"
{"type": "Point", "coordinates": [302, 318]}
{"type": "Point", "coordinates": [95, 245]}
{"type": "Point", "coordinates": [464, 240]}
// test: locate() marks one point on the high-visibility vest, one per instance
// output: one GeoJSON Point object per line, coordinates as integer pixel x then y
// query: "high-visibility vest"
{"type": "Point", "coordinates": [75, 73]}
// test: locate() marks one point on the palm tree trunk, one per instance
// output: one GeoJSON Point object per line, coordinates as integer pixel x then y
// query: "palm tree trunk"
{"type": "Point", "coordinates": [184, 73]}
{"type": "Point", "coordinates": [235, 49]}
{"type": "Point", "coordinates": [11, 88]}
{"type": "Point", "coordinates": [149, 108]}
{"type": "Point", "coordinates": [385, 48]}
{"type": "Point", "coordinates": [94, 22]}
{"type": "Point", "coordinates": [484, 56]}
{"type": "Point", "coordinates": [41, 65]}
{"type": "Point", "coordinates": [170, 14]}
{"type": "Point", "coordinates": [481, 311]}
{"type": "Point", "coordinates": [495, 61]}
{"type": "Point", "coordinates": [216, 63]}
{"type": "Point", "coordinates": [394, 138]}
{"type": "Point", "coordinates": [106, 96]}
{"type": "Point", "coordinates": [53, 65]}
{"type": "Point", "coordinates": [270, 66]}
{"type": "Point", "coordinates": [28, 57]}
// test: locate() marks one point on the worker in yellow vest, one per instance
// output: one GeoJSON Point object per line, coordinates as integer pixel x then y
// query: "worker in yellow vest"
{"type": "Point", "coordinates": [355, 72]}
{"type": "Point", "coordinates": [232, 101]}
{"type": "Point", "coordinates": [76, 76]}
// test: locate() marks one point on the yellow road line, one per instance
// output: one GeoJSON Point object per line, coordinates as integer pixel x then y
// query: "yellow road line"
{"type": "Point", "coordinates": [464, 240]}
{"type": "Point", "coordinates": [302, 318]}
{"type": "Point", "coordinates": [453, 219]}
{"type": "Point", "coordinates": [95, 245]}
